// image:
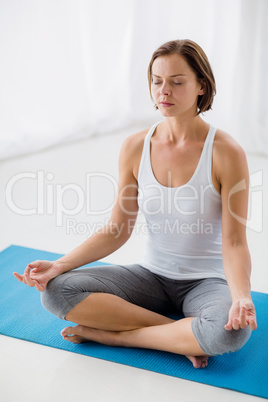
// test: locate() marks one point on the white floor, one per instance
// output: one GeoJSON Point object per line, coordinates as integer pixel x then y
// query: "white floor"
{"type": "Point", "coordinates": [33, 373]}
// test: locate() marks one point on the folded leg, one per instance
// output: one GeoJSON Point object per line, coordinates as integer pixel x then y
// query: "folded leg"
{"type": "Point", "coordinates": [209, 303]}
{"type": "Point", "coordinates": [108, 297]}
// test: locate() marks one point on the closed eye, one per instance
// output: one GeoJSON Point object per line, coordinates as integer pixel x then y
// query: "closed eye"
{"type": "Point", "coordinates": [175, 83]}
{"type": "Point", "coordinates": [159, 83]}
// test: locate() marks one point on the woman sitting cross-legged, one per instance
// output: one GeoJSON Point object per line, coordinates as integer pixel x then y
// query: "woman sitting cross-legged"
{"type": "Point", "coordinates": [181, 173]}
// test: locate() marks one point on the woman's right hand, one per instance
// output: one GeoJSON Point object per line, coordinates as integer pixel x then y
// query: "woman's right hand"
{"type": "Point", "coordinates": [39, 273]}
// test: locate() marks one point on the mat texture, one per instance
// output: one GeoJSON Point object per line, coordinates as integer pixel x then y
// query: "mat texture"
{"type": "Point", "coordinates": [23, 317]}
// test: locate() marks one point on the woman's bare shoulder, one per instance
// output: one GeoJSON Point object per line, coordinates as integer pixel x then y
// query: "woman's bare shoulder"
{"type": "Point", "coordinates": [226, 146]}
{"type": "Point", "coordinates": [134, 142]}
{"type": "Point", "coordinates": [131, 151]}
{"type": "Point", "coordinates": [228, 154]}
{"type": "Point", "coordinates": [132, 146]}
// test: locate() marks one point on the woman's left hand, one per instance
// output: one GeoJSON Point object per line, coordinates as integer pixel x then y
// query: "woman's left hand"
{"type": "Point", "coordinates": [242, 313]}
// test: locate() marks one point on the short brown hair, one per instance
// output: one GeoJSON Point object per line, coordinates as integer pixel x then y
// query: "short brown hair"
{"type": "Point", "coordinates": [197, 60]}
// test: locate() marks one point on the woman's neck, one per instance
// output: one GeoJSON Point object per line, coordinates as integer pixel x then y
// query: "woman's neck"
{"type": "Point", "coordinates": [178, 130]}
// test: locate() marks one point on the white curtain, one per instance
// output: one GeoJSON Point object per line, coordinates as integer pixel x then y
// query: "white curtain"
{"type": "Point", "coordinates": [70, 69]}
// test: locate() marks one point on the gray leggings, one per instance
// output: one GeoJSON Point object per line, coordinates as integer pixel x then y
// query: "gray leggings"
{"type": "Point", "coordinates": [207, 300]}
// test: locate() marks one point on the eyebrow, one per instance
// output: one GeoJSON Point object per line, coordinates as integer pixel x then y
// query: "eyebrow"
{"type": "Point", "coordinates": [175, 75]}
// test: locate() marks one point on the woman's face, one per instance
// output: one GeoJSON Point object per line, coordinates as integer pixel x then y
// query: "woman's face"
{"type": "Point", "coordinates": [175, 87]}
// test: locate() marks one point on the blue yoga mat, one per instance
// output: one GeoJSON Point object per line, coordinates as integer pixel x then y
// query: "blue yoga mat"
{"type": "Point", "coordinates": [23, 317]}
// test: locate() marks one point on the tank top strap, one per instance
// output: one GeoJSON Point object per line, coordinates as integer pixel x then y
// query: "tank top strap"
{"type": "Point", "coordinates": [145, 157]}
{"type": "Point", "coordinates": [207, 154]}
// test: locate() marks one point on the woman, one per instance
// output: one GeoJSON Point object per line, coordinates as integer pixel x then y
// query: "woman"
{"type": "Point", "coordinates": [181, 174]}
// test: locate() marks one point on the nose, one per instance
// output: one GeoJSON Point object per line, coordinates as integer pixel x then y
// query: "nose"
{"type": "Point", "coordinates": [165, 89]}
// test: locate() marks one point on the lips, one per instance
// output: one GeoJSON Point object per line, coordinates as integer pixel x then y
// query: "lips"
{"type": "Point", "coordinates": [166, 104]}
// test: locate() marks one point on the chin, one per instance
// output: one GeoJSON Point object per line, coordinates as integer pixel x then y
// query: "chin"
{"type": "Point", "coordinates": [166, 110]}
{"type": "Point", "coordinates": [167, 113]}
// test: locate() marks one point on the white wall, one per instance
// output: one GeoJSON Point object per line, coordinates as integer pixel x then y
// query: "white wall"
{"type": "Point", "coordinates": [70, 69]}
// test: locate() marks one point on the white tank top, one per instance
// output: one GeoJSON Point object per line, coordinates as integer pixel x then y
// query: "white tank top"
{"type": "Point", "coordinates": [184, 236]}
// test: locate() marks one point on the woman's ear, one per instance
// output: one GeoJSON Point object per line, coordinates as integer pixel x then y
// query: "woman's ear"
{"type": "Point", "coordinates": [203, 87]}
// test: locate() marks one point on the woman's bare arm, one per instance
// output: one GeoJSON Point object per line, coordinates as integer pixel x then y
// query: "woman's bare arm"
{"type": "Point", "coordinates": [234, 180]}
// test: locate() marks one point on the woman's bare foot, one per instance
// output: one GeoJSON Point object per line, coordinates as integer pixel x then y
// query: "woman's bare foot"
{"type": "Point", "coordinates": [75, 334]}
{"type": "Point", "coordinates": [80, 333]}
{"type": "Point", "coordinates": [198, 361]}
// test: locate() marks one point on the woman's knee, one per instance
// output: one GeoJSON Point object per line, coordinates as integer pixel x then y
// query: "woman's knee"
{"type": "Point", "coordinates": [230, 341]}
{"type": "Point", "coordinates": [215, 340]}
{"type": "Point", "coordinates": [52, 298]}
